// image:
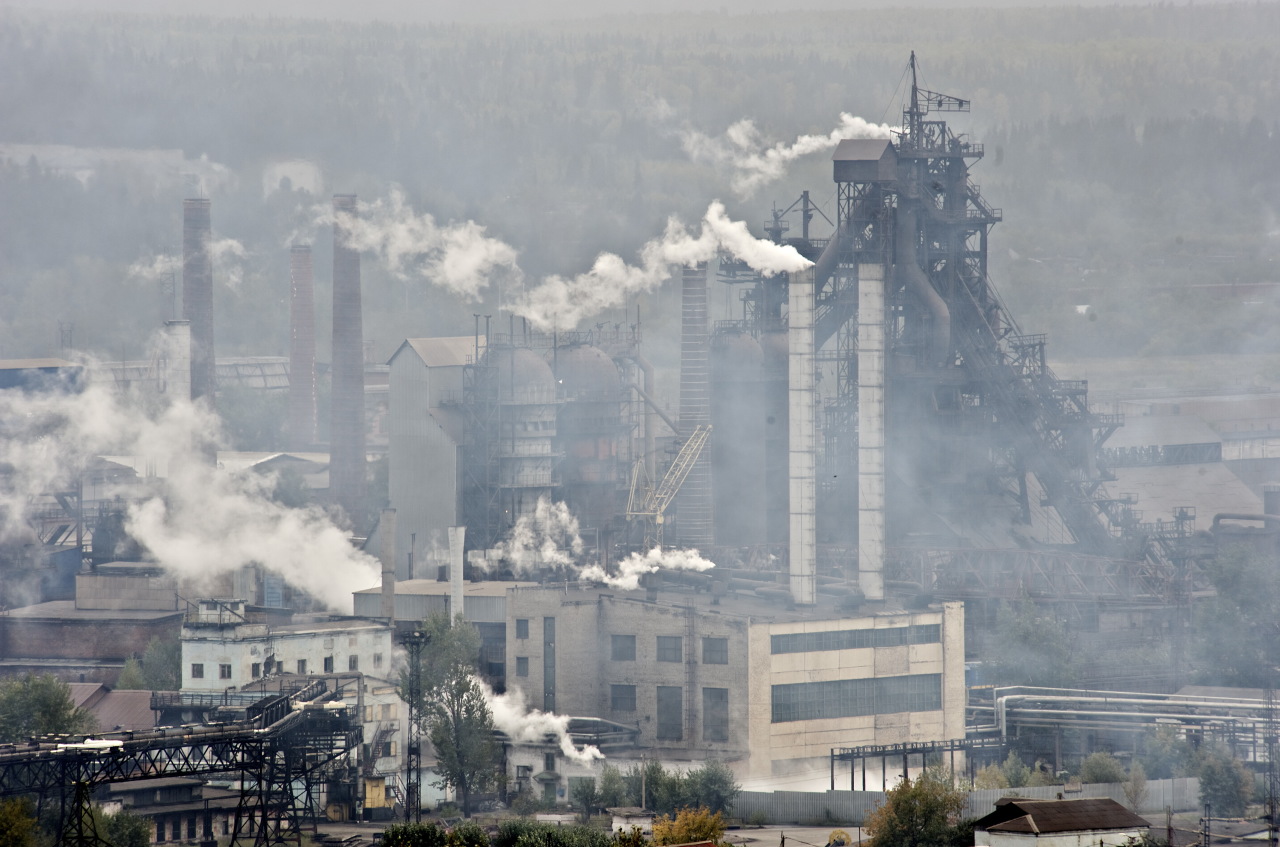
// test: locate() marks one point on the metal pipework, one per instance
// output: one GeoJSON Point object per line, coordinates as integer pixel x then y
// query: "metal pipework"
{"type": "Point", "coordinates": [909, 272]}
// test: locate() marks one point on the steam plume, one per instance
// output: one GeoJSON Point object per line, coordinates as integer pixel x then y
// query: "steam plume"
{"type": "Point", "coordinates": [155, 268]}
{"type": "Point", "coordinates": [512, 715]}
{"type": "Point", "coordinates": [548, 538]}
{"type": "Point", "coordinates": [564, 302]}
{"type": "Point", "coordinates": [743, 152]}
{"type": "Point", "coordinates": [458, 257]}
{"type": "Point", "coordinates": [199, 522]}
{"type": "Point", "coordinates": [227, 253]}
{"type": "Point", "coordinates": [636, 565]}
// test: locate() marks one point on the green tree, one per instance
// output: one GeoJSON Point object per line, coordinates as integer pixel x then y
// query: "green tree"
{"type": "Point", "coordinates": [1225, 783]}
{"type": "Point", "coordinates": [689, 825]}
{"type": "Point", "coordinates": [1015, 771]}
{"type": "Point", "coordinates": [39, 704]}
{"type": "Point", "coordinates": [18, 826]}
{"type": "Point", "coordinates": [1101, 767]}
{"type": "Point", "coordinates": [124, 829]}
{"type": "Point", "coordinates": [162, 664]}
{"type": "Point", "coordinates": [460, 727]}
{"type": "Point", "coordinates": [1031, 647]}
{"type": "Point", "coordinates": [615, 789]}
{"type": "Point", "coordinates": [920, 812]}
{"type": "Point", "coordinates": [713, 787]}
{"type": "Point", "coordinates": [131, 678]}
{"type": "Point", "coordinates": [1165, 754]}
{"type": "Point", "coordinates": [585, 797]}
{"type": "Point", "coordinates": [1135, 788]}
{"type": "Point", "coordinates": [414, 835]}
{"type": "Point", "coordinates": [1235, 635]}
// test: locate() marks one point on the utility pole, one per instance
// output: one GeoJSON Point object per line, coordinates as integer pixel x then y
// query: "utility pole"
{"type": "Point", "coordinates": [414, 643]}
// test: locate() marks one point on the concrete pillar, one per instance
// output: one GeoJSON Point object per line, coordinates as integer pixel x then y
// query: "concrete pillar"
{"type": "Point", "coordinates": [387, 556]}
{"type": "Point", "coordinates": [871, 424]}
{"type": "Point", "coordinates": [803, 435]}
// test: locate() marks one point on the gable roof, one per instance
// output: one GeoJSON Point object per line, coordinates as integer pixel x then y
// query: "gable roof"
{"type": "Point", "coordinates": [446, 352]}
{"type": "Point", "coordinates": [1013, 814]}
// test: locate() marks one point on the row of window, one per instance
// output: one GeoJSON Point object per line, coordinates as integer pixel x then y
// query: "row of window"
{"type": "Point", "coordinates": [851, 698]}
{"type": "Point", "coordinates": [854, 639]}
{"type": "Point", "coordinates": [670, 648]}
{"type": "Point", "coordinates": [274, 666]}
{"type": "Point", "coordinates": [715, 710]}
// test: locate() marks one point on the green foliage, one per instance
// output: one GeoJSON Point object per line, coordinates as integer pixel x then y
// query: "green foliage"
{"type": "Point", "coordinates": [467, 834]}
{"type": "Point", "coordinates": [1015, 771]}
{"type": "Point", "coordinates": [1135, 788]}
{"type": "Point", "coordinates": [924, 812]}
{"type": "Point", "coordinates": [630, 838]}
{"type": "Point", "coordinates": [990, 776]}
{"type": "Point", "coordinates": [39, 704]}
{"type": "Point", "coordinates": [527, 833]}
{"type": "Point", "coordinates": [666, 792]}
{"type": "Point", "coordinates": [1165, 754]}
{"type": "Point", "coordinates": [1225, 783]}
{"type": "Point", "coordinates": [713, 787]}
{"type": "Point", "coordinates": [615, 790]}
{"type": "Point", "coordinates": [1235, 639]}
{"type": "Point", "coordinates": [1031, 647]}
{"type": "Point", "coordinates": [131, 678]}
{"type": "Point", "coordinates": [414, 835]}
{"type": "Point", "coordinates": [162, 664]}
{"type": "Point", "coordinates": [124, 829]}
{"type": "Point", "coordinates": [18, 825]}
{"type": "Point", "coordinates": [1101, 767]}
{"type": "Point", "coordinates": [582, 793]}
{"type": "Point", "coordinates": [460, 727]}
{"type": "Point", "coordinates": [452, 647]}
{"type": "Point", "coordinates": [688, 825]}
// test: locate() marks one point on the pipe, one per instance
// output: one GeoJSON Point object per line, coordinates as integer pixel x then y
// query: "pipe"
{"type": "Point", "coordinates": [825, 266]}
{"type": "Point", "coordinates": [1270, 520]}
{"type": "Point", "coordinates": [909, 273]}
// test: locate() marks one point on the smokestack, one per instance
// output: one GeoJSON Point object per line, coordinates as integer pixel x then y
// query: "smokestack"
{"type": "Point", "coordinates": [197, 295]}
{"type": "Point", "coordinates": [871, 377]}
{"type": "Point", "coordinates": [346, 432]}
{"type": "Point", "coordinates": [387, 555]}
{"type": "Point", "coordinates": [302, 349]}
{"type": "Point", "coordinates": [175, 366]}
{"type": "Point", "coordinates": [457, 540]}
{"type": "Point", "coordinates": [693, 506]}
{"type": "Point", "coordinates": [803, 435]}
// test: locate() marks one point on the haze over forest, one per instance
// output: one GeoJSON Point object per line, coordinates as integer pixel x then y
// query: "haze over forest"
{"type": "Point", "coordinates": [1131, 149]}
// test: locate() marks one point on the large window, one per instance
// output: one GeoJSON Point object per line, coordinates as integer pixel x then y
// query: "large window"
{"type": "Point", "coordinates": [849, 698]}
{"type": "Point", "coordinates": [522, 627]}
{"type": "Point", "coordinates": [622, 698]}
{"type": "Point", "coordinates": [670, 648]}
{"type": "Point", "coordinates": [670, 713]}
{"type": "Point", "coordinates": [853, 639]}
{"type": "Point", "coordinates": [715, 714]}
{"type": "Point", "coordinates": [353, 663]}
{"type": "Point", "coordinates": [224, 671]}
{"type": "Point", "coordinates": [302, 667]}
{"type": "Point", "coordinates": [715, 651]}
{"type": "Point", "coordinates": [197, 671]}
{"type": "Point", "coordinates": [328, 664]}
{"type": "Point", "coordinates": [522, 665]}
{"type": "Point", "coordinates": [623, 648]}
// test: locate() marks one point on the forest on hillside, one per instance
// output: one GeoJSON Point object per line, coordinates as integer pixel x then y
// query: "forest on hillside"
{"type": "Point", "coordinates": [1131, 149]}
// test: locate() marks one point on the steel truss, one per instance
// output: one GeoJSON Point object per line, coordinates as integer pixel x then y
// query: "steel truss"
{"type": "Point", "coordinates": [284, 739]}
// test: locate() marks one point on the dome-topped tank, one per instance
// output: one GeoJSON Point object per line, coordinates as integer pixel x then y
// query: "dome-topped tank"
{"type": "Point", "coordinates": [520, 370]}
{"type": "Point", "coordinates": [586, 373]}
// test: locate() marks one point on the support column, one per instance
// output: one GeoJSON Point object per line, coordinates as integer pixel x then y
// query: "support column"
{"type": "Point", "coordinates": [803, 435]}
{"type": "Point", "coordinates": [871, 425]}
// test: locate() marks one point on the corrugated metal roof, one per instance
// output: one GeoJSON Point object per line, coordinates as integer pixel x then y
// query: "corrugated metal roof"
{"type": "Point", "coordinates": [1210, 488]}
{"type": "Point", "coordinates": [1047, 816]}
{"type": "Point", "coordinates": [447, 352]}
{"type": "Point", "coordinates": [860, 149]}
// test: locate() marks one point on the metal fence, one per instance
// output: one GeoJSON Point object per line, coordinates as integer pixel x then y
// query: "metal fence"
{"type": "Point", "coordinates": [820, 808]}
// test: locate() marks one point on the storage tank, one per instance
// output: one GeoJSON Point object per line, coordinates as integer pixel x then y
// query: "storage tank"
{"type": "Point", "coordinates": [738, 422]}
{"type": "Point", "coordinates": [590, 428]}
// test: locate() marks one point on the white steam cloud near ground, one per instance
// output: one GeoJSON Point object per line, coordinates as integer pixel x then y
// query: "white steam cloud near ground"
{"type": "Point", "coordinates": [197, 521]}
{"type": "Point", "coordinates": [751, 162]}
{"type": "Point", "coordinates": [522, 724]}
{"type": "Point", "coordinates": [637, 565]}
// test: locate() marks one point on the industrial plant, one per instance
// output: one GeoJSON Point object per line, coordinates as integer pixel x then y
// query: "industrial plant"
{"type": "Point", "coordinates": [791, 557]}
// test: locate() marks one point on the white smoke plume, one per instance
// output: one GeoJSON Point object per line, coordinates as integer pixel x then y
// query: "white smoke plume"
{"type": "Point", "coordinates": [636, 565]}
{"type": "Point", "coordinates": [564, 302]}
{"type": "Point", "coordinates": [155, 268]}
{"type": "Point", "coordinates": [548, 538]}
{"type": "Point", "coordinates": [743, 152]}
{"type": "Point", "coordinates": [513, 716]}
{"type": "Point", "coordinates": [198, 522]}
{"type": "Point", "coordinates": [228, 257]}
{"type": "Point", "coordinates": [458, 257]}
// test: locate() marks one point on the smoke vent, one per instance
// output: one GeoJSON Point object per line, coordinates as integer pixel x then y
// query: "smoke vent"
{"type": "Point", "coordinates": [693, 506]}
{"type": "Point", "coordinates": [346, 432]}
{"type": "Point", "coordinates": [302, 349]}
{"type": "Point", "coordinates": [197, 295]}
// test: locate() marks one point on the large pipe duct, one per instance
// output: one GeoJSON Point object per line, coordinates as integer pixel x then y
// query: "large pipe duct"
{"type": "Point", "coordinates": [803, 436]}
{"type": "Point", "coordinates": [346, 432]}
{"type": "Point", "coordinates": [197, 295]}
{"type": "Point", "coordinates": [693, 506]}
{"type": "Point", "coordinates": [910, 274]}
{"type": "Point", "coordinates": [302, 349]}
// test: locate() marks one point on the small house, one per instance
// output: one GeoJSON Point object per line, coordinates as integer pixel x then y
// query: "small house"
{"type": "Point", "coordinates": [1058, 823]}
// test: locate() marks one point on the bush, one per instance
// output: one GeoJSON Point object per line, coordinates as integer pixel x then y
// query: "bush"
{"type": "Point", "coordinates": [526, 833]}
{"type": "Point", "coordinates": [468, 834]}
{"type": "Point", "coordinates": [1101, 767]}
{"type": "Point", "coordinates": [414, 835]}
{"type": "Point", "coordinates": [689, 825]}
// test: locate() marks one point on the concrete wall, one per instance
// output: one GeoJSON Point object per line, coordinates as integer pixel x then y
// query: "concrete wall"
{"type": "Point", "coordinates": [241, 647]}
{"type": "Point", "coordinates": [92, 639]}
{"type": "Point", "coordinates": [425, 461]}
{"type": "Point", "coordinates": [104, 590]}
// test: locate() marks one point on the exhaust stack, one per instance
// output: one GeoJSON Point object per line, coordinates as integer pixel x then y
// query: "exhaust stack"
{"type": "Point", "coordinates": [346, 432]}
{"type": "Point", "coordinates": [197, 295]}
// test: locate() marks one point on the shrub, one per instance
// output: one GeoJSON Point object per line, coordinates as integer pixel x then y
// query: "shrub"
{"type": "Point", "coordinates": [689, 825]}
{"type": "Point", "coordinates": [414, 835]}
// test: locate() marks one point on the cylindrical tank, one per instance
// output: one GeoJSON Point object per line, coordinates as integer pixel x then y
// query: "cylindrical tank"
{"type": "Point", "coordinates": [774, 348]}
{"type": "Point", "coordinates": [589, 429]}
{"type": "Point", "coordinates": [738, 437]}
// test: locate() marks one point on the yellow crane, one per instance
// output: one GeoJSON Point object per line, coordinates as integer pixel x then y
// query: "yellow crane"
{"type": "Point", "coordinates": [649, 501]}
